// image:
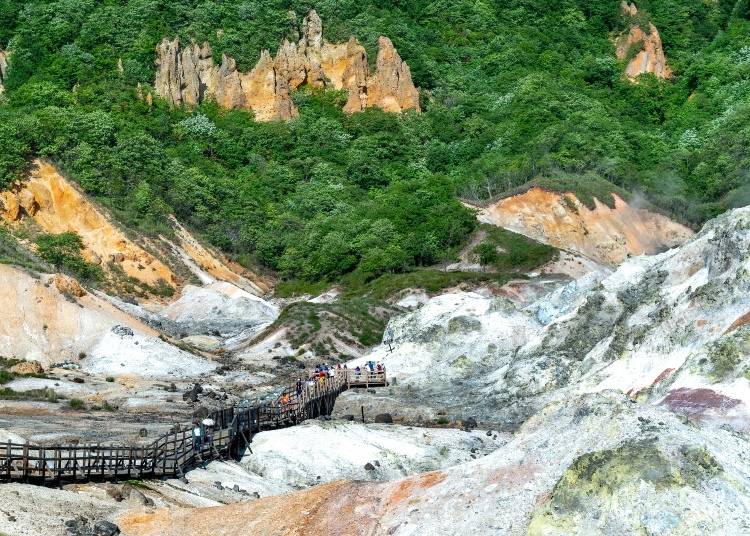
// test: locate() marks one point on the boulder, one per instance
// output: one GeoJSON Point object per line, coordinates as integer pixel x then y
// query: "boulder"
{"type": "Point", "coordinates": [384, 418]}
{"type": "Point", "coordinates": [68, 286]}
{"type": "Point", "coordinates": [27, 367]}
{"type": "Point", "coordinates": [10, 207]}
{"type": "Point", "coordinates": [105, 528]}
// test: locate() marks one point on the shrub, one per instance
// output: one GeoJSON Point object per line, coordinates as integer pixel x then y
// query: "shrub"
{"type": "Point", "coordinates": [76, 403]}
{"type": "Point", "coordinates": [63, 251]}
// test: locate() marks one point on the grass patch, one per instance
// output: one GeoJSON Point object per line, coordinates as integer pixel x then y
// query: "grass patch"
{"type": "Point", "coordinates": [297, 287]}
{"type": "Point", "coordinates": [321, 327]}
{"type": "Point", "coordinates": [12, 252]}
{"type": "Point", "coordinates": [430, 280]}
{"type": "Point", "coordinates": [37, 395]}
{"type": "Point", "coordinates": [76, 403]}
{"type": "Point", "coordinates": [508, 251]}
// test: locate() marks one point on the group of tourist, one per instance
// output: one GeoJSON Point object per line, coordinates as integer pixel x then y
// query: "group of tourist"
{"type": "Point", "coordinates": [203, 433]}
{"type": "Point", "coordinates": [203, 430]}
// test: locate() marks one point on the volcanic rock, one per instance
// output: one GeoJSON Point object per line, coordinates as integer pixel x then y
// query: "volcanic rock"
{"type": "Point", "coordinates": [650, 57]}
{"type": "Point", "coordinates": [187, 75]}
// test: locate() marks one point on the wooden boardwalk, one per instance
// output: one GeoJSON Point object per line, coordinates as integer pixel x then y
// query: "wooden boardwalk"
{"type": "Point", "coordinates": [177, 452]}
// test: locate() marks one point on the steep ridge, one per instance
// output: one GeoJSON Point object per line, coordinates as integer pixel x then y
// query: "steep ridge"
{"type": "Point", "coordinates": [643, 49]}
{"type": "Point", "coordinates": [187, 75]}
{"type": "Point", "coordinates": [57, 206]}
{"type": "Point", "coordinates": [605, 235]}
{"type": "Point", "coordinates": [211, 266]}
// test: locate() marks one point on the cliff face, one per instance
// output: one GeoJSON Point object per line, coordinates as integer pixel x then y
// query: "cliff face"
{"type": "Point", "coordinates": [650, 57]}
{"type": "Point", "coordinates": [58, 207]}
{"type": "Point", "coordinates": [186, 75]}
{"type": "Point", "coordinates": [3, 69]}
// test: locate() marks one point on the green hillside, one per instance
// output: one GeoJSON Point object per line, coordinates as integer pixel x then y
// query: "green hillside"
{"type": "Point", "coordinates": [513, 91]}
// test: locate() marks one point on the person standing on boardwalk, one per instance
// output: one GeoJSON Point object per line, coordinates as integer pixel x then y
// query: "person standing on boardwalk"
{"type": "Point", "coordinates": [208, 425]}
{"type": "Point", "coordinates": [197, 437]}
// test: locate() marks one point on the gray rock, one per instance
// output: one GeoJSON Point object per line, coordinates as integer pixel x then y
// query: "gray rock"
{"type": "Point", "coordinates": [369, 466]}
{"type": "Point", "coordinates": [106, 528]}
{"type": "Point", "coordinates": [384, 418]}
{"type": "Point", "coordinates": [122, 331]}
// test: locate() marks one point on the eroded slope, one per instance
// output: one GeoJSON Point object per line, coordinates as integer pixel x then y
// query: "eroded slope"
{"type": "Point", "coordinates": [603, 234]}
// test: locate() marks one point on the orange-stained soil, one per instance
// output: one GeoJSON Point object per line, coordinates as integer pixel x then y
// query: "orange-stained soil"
{"type": "Point", "coordinates": [741, 321]}
{"type": "Point", "coordinates": [330, 509]}
{"type": "Point", "coordinates": [57, 206]}
{"type": "Point", "coordinates": [605, 235]}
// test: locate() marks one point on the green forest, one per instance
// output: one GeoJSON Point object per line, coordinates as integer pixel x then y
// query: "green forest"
{"type": "Point", "coordinates": [513, 92]}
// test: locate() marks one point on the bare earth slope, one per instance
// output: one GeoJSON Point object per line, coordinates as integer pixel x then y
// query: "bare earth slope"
{"type": "Point", "coordinates": [57, 206]}
{"type": "Point", "coordinates": [605, 235]}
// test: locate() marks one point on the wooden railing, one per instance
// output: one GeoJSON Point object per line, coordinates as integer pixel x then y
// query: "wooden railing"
{"type": "Point", "coordinates": [178, 451]}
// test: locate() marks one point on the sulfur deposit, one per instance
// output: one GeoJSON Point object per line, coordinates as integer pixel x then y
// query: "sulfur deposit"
{"type": "Point", "coordinates": [649, 54]}
{"type": "Point", "coordinates": [603, 234]}
{"type": "Point", "coordinates": [187, 75]}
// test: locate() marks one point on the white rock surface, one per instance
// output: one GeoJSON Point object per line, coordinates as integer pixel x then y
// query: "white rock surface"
{"type": "Point", "coordinates": [121, 353]}
{"type": "Point", "coordinates": [317, 452]}
{"type": "Point", "coordinates": [220, 308]}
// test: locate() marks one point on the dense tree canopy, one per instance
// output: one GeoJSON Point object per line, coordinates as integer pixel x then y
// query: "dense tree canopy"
{"type": "Point", "coordinates": [512, 91]}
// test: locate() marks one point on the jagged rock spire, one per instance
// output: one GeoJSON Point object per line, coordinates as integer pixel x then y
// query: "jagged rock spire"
{"type": "Point", "coordinates": [187, 75]}
{"type": "Point", "coordinates": [650, 58]}
{"type": "Point", "coordinates": [3, 68]}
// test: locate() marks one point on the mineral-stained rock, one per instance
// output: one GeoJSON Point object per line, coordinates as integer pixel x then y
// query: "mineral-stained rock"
{"type": "Point", "coordinates": [3, 68]}
{"type": "Point", "coordinates": [68, 286]}
{"type": "Point", "coordinates": [186, 75]}
{"type": "Point", "coordinates": [650, 57]}
{"type": "Point", "coordinates": [391, 88]}
{"type": "Point", "coordinates": [10, 208]}
{"type": "Point", "coordinates": [27, 367]}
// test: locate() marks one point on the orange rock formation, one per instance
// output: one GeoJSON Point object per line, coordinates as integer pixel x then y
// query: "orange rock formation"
{"type": "Point", "coordinates": [3, 69]}
{"type": "Point", "coordinates": [187, 75]}
{"type": "Point", "coordinates": [605, 235]}
{"type": "Point", "coordinates": [58, 207]}
{"type": "Point", "coordinates": [650, 57]}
